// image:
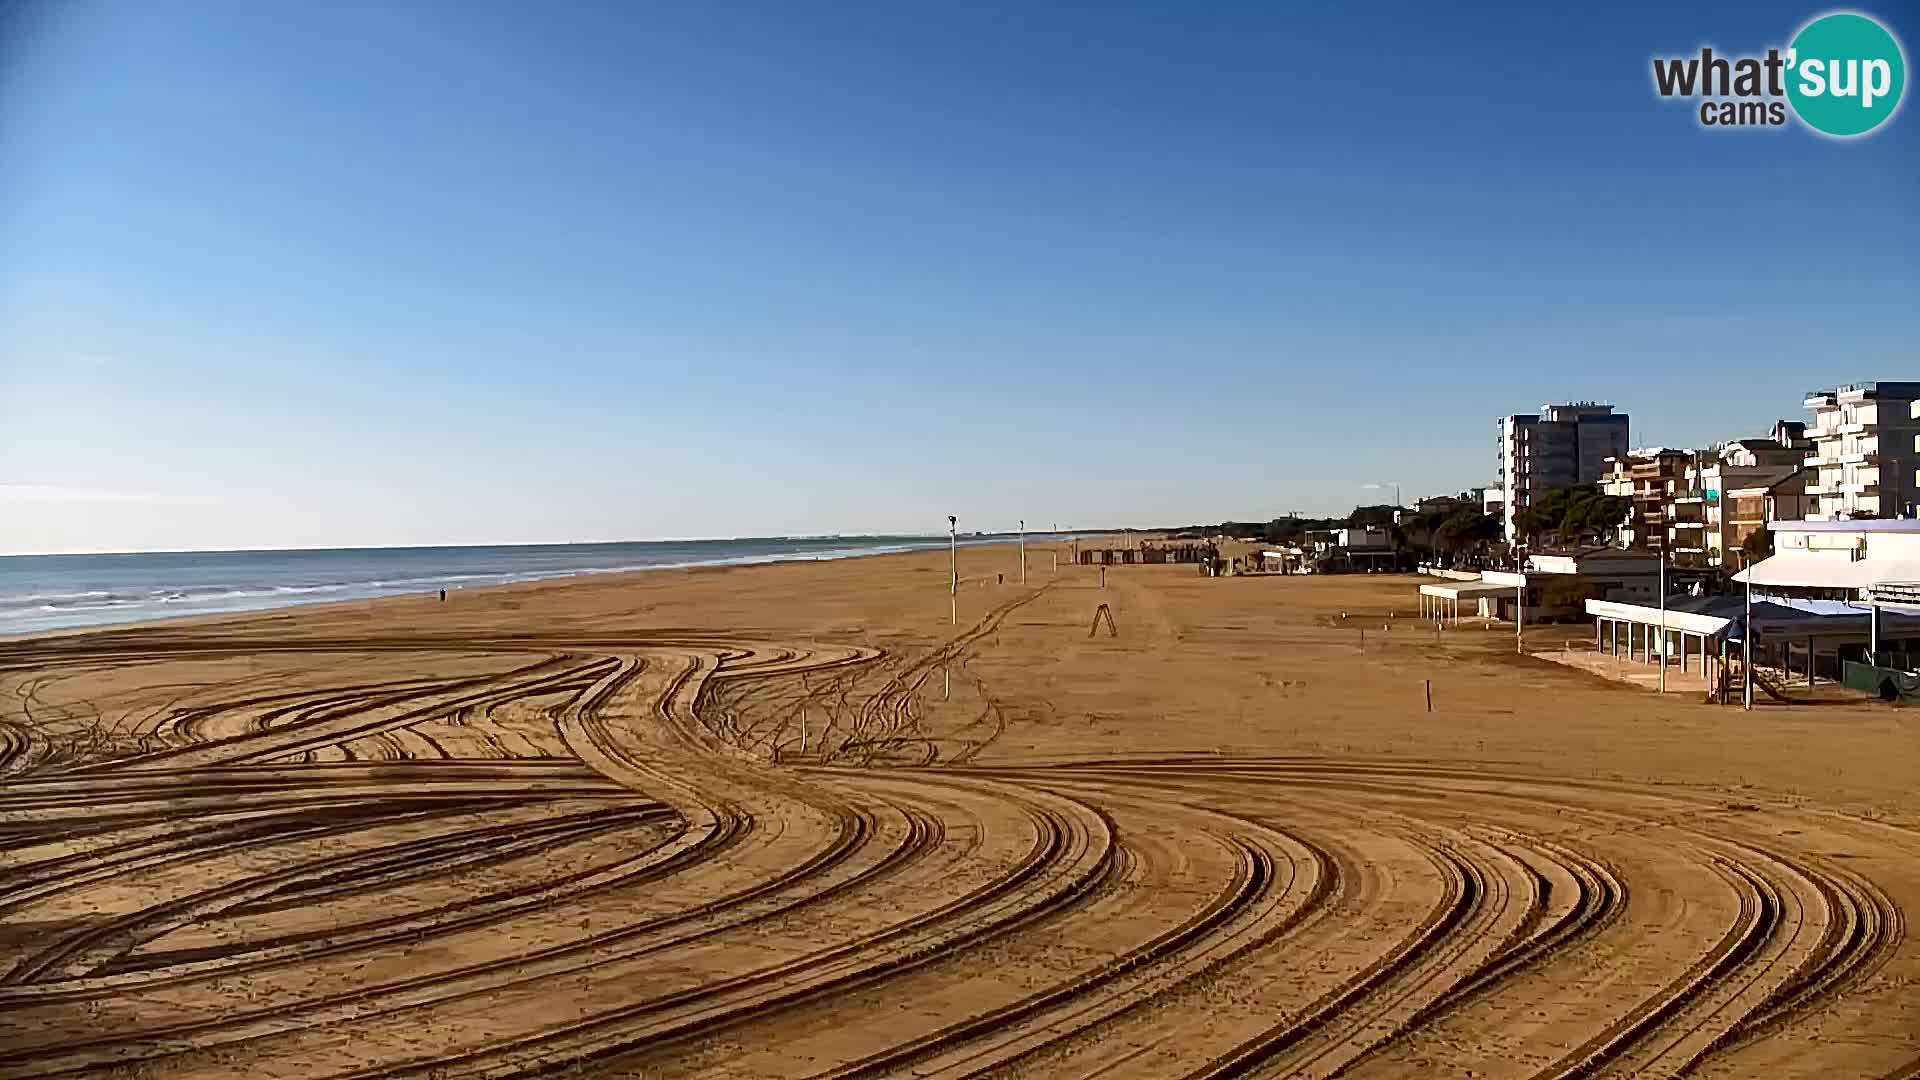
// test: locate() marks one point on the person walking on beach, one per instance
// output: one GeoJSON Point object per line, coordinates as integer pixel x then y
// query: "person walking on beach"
{"type": "Point", "coordinates": [443, 596]}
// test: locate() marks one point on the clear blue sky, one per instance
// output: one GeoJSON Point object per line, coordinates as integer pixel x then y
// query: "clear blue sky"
{"type": "Point", "coordinates": [357, 273]}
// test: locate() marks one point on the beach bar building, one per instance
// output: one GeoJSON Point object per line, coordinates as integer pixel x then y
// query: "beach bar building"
{"type": "Point", "coordinates": [1552, 587]}
{"type": "Point", "coordinates": [1835, 570]}
{"type": "Point", "coordinates": [1448, 600]}
{"type": "Point", "coordinates": [1815, 609]}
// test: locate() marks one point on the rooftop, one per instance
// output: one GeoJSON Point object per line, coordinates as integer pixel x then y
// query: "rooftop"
{"type": "Point", "coordinates": [1869, 389]}
{"type": "Point", "coordinates": [1858, 525]}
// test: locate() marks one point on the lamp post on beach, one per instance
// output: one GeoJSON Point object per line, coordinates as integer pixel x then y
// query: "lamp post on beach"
{"type": "Point", "coordinates": [1023, 551]}
{"type": "Point", "coordinates": [953, 570]}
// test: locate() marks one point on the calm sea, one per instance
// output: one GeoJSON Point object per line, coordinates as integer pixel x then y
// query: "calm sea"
{"type": "Point", "coordinates": [50, 592]}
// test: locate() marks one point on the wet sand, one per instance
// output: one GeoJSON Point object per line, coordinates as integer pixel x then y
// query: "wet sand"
{"type": "Point", "coordinates": [785, 820]}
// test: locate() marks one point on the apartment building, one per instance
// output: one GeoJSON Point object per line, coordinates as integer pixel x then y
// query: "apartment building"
{"type": "Point", "coordinates": [1561, 445]}
{"type": "Point", "coordinates": [1864, 454]}
{"type": "Point", "coordinates": [1652, 477]}
{"type": "Point", "coordinates": [1704, 525]}
{"type": "Point", "coordinates": [1749, 510]}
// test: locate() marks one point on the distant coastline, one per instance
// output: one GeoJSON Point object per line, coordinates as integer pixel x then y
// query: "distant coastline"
{"type": "Point", "coordinates": [63, 592]}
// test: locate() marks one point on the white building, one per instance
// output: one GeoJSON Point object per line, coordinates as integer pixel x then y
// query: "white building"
{"type": "Point", "coordinates": [1559, 446]}
{"type": "Point", "coordinates": [1864, 452]}
{"type": "Point", "coordinates": [1831, 569]}
{"type": "Point", "coordinates": [1838, 560]}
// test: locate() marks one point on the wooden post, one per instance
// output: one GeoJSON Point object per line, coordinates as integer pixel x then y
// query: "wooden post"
{"type": "Point", "coordinates": [1429, 685]}
{"type": "Point", "coordinates": [1103, 577]}
{"type": "Point", "coordinates": [1103, 612]}
{"type": "Point", "coordinates": [803, 729]}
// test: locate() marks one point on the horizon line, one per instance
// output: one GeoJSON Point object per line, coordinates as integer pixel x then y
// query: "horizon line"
{"type": "Point", "coordinates": [542, 543]}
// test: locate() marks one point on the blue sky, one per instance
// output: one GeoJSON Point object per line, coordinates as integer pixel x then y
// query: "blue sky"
{"type": "Point", "coordinates": [363, 273]}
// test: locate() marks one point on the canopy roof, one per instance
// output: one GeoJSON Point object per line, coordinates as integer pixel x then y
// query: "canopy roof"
{"type": "Point", "coordinates": [1830, 570]}
{"type": "Point", "coordinates": [1462, 590]}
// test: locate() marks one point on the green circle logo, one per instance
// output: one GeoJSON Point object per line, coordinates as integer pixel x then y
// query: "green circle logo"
{"type": "Point", "coordinates": [1845, 74]}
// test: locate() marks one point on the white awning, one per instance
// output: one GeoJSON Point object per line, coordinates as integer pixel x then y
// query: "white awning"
{"type": "Point", "coordinates": [1464, 590]}
{"type": "Point", "coordinates": [1806, 570]}
{"type": "Point", "coordinates": [1686, 621]}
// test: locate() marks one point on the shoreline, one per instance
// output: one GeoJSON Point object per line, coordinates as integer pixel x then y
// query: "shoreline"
{"type": "Point", "coordinates": [294, 600]}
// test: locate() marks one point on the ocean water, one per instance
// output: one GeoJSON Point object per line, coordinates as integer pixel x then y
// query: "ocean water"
{"type": "Point", "coordinates": [52, 592]}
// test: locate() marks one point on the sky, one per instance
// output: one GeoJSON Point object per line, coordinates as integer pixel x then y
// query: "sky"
{"type": "Point", "coordinates": [357, 273]}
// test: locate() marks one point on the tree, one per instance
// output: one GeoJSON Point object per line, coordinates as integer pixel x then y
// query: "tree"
{"type": "Point", "coordinates": [1570, 515]}
{"type": "Point", "coordinates": [1758, 545]}
{"type": "Point", "coordinates": [1378, 516]}
{"type": "Point", "coordinates": [1465, 532]}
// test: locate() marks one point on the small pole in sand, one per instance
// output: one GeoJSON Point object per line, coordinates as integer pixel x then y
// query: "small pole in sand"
{"type": "Point", "coordinates": [1056, 562]}
{"type": "Point", "coordinates": [947, 694]}
{"type": "Point", "coordinates": [803, 729]}
{"type": "Point", "coordinates": [1429, 684]}
{"type": "Point", "coordinates": [953, 570]}
{"type": "Point", "coordinates": [1023, 551]}
{"type": "Point", "coordinates": [1363, 641]}
{"type": "Point", "coordinates": [1103, 577]}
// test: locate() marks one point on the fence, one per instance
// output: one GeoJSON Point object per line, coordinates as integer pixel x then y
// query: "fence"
{"type": "Point", "coordinates": [1892, 684]}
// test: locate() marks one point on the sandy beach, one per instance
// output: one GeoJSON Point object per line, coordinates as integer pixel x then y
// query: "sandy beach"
{"type": "Point", "coordinates": [786, 820]}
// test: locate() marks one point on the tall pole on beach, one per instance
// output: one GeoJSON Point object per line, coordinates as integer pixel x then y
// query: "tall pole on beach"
{"type": "Point", "coordinates": [1663, 615]}
{"type": "Point", "coordinates": [953, 570]}
{"type": "Point", "coordinates": [1746, 650]}
{"type": "Point", "coordinates": [1520, 606]}
{"type": "Point", "coordinates": [1023, 551]}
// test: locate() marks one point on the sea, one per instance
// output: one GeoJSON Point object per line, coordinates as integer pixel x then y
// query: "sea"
{"type": "Point", "coordinates": [57, 592]}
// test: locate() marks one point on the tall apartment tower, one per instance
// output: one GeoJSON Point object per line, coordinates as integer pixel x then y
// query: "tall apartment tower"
{"type": "Point", "coordinates": [1863, 454]}
{"type": "Point", "coordinates": [1558, 446]}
